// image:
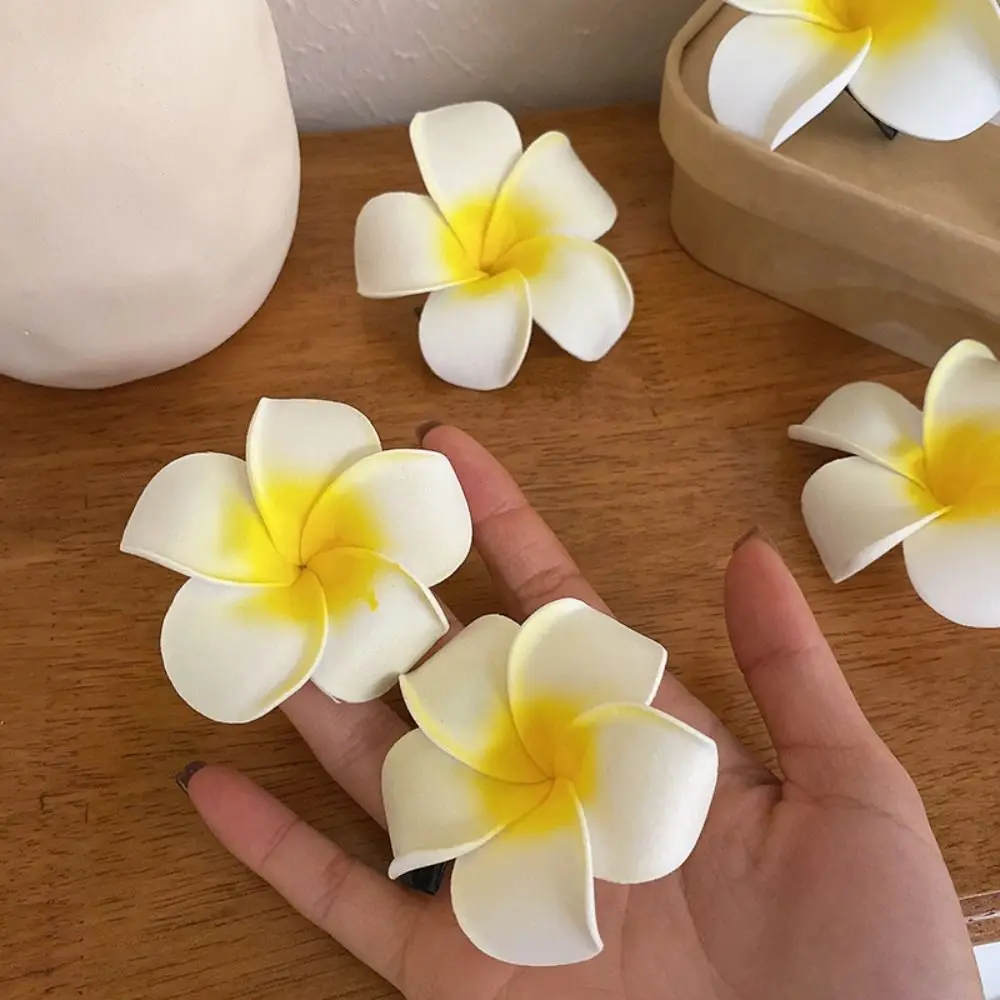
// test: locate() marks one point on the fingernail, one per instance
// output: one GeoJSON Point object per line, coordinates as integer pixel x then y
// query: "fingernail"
{"type": "Point", "coordinates": [425, 428]}
{"type": "Point", "coordinates": [184, 778]}
{"type": "Point", "coordinates": [755, 532]}
{"type": "Point", "coordinates": [426, 880]}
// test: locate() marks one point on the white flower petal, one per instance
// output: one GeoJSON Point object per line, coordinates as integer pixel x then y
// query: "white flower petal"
{"type": "Point", "coordinates": [295, 449]}
{"type": "Point", "coordinates": [459, 700]}
{"type": "Point", "coordinates": [856, 512]}
{"type": "Point", "coordinates": [381, 622]}
{"type": "Point", "coordinates": [549, 193]}
{"type": "Point", "coordinates": [962, 429]}
{"type": "Point", "coordinates": [438, 809]}
{"type": "Point", "coordinates": [234, 653]}
{"type": "Point", "coordinates": [814, 11]}
{"type": "Point", "coordinates": [197, 516]}
{"type": "Point", "coordinates": [964, 385]}
{"type": "Point", "coordinates": [568, 659]}
{"type": "Point", "coordinates": [403, 246]}
{"type": "Point", "coordinates": [476, 336]}
{"type": "Point", "coordinates": [933, 71]}
{"type": "Point", "coordinates": [869, 420]}
{"type": "Point", "coordinates": [527, 896]}
{"type": "Point", "coordinates": [407, 505]}
{"type": "Point", "coordinates": [771, 76]}
{"type": "Point", "coordinates": [953, 566]}
{"type": "Point", "coordinates": [580, 295]}
{"type": "Point", "coordinates": [465, 152]}
{"type": "Point", "coordinates": [647, 781]}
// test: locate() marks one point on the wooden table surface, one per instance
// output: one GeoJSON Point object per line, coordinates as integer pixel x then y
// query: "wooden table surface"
{"type": "Point", "coordinates": [649, 465]}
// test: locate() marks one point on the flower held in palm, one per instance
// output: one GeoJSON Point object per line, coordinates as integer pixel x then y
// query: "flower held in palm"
{"type": "Point", "coordinates": [312, 559]}
{"type": "Point", "coordinates": [930, 68]}
{"type": "Point", "coordinates": [539, 766]}
{"type": "Point", "coordinates": [930, 481]}
{"type": "Point", "coordinates": [505, 238]}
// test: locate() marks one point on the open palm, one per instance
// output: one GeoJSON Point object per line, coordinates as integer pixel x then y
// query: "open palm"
{"type": "Point", "coordinates": [826, 884]}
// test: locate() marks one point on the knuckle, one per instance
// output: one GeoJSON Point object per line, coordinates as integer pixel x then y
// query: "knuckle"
{"type": "Point", "coordinates": [548, 583]}
{"type": "Point", "coordinates": [276, 843]}
{"type": "Point", "coordinates": [502, 509]}
{"type": "Point", "coordinates": [785, 658]}
{"type": "Point", "coordinates": [332, 887]}
{"type": "Point", "coordinates": [358, 741]}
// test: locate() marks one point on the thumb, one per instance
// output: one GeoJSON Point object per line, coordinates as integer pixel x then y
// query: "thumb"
{"type": "Point", "coordinates": [819, 732]}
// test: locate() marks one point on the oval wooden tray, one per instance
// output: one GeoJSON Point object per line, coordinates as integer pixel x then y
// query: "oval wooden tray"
{"type": "Point", "coordinates": [897, 241]}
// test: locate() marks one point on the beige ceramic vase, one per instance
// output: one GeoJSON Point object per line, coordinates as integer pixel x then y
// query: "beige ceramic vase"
{"type": "Point", "coordinates": [149, 182]}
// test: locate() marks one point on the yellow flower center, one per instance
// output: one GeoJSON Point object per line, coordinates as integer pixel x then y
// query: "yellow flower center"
{"type": "Point", "coordinates": [556, 746]}
{"type": "Point", "coordinates": [561, 750]}
{"type": "Point", "coordinates": [496, 237]}
{"type": "Point", "coordinates": [959, 468]}
{"type": "Point", "coordinates": [893, 22]}
{"type": "Point", "coordinates": [342, 534]}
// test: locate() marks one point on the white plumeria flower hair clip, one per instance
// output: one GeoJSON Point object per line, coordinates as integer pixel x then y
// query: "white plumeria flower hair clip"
{"type": "Point", "coordinates": [504, 239]}
{"type": "Point", "coordinates": [539, 766]}
{"type": "Point", "coordinates": [930, 68]}
{"type": "Point", "coordinates": [929, 481]}
{"type": "Point", "coordinates": [310, 560]}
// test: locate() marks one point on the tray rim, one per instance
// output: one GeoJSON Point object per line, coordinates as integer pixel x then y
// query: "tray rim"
{"type": "Point", "coordinates": [928, 248]}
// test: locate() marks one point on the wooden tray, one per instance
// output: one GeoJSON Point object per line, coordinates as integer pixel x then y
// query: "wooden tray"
{"type": "Point", "coordinates": [898, 242]}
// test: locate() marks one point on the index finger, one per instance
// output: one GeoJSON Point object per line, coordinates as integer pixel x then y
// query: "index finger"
{"type": "Point", "coordinates": [359, 907]}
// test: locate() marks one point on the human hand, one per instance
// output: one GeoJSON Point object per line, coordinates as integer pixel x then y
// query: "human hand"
{"type": "Point", "coordinates": [827, 885]}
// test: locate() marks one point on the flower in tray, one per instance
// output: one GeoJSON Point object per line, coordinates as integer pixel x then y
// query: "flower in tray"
{"type": "Point", "coordinates": [505, 238]}
{"type": "Point", "coordinates": [929, 481]}
{"type": "Point", "coordinates": [539, 766]}
{"type": "Point", "coordinates": [930, 68]}
{"type": "Point", "coordinates": [311, 559]}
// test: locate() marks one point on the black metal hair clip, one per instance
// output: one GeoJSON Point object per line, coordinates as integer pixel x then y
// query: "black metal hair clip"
{"type": "Point", "coordinates": [887, 130]}
{"type": "Point", "coordinates": [426, 880]}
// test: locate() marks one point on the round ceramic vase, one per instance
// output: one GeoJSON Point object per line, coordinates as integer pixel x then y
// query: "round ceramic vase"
{"type": "Point", "coordinates": [149, 183]}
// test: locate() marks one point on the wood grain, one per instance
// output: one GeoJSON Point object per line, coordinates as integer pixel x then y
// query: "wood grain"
{"type": "Point", "coordinates": [649, 465]}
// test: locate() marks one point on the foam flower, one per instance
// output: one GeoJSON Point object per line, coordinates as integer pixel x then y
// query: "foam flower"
{"type": "Point", "coordinates": [539, 766]}
{"type": "Point", "coordinates": [505, 237]}
{"type": "Point", "coordinates": [930, 68]}
{"type": "Point", "coordinates": [311, 559]}
{"type": "Point", "coordinates": [929, 481]}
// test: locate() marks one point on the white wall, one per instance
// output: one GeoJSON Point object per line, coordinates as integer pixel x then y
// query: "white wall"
{"type": "Point", "coordinates": [355, 62]}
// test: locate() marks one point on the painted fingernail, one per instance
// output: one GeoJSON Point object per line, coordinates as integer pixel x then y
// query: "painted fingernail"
{"type": "Point", "coordinates": [426, 880]}
{"type": "Point", "coordinates": [425, 428]}
{"type": "Point", "coordinates": [184, 778]}
{"type": "Point", "coordinates": [755, 532]}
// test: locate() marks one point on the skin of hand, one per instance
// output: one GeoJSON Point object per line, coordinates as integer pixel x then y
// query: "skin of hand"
{"type": "Point", "coordinates": [824, 885]}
